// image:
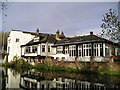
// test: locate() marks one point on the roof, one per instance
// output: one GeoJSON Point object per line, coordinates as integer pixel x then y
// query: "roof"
{"type": "Point", "coordinates": [82, 39]}
{"type": "Point", "coordinates": [40, 34]}
{"type": "Point", "coordinates": [42, 39]}
{"type": "Point", "coordinates": [51, 38]}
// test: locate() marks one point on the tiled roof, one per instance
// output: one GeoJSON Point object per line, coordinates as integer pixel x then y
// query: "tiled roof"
{"type": "Point", "coordinates": [51, 38]}
{"type": "Point", "coordinates": [42, 39]}
{"type": "Point", "coordinates": [82, 39]}
{"type": "Point", "coordinates": [40, 34]}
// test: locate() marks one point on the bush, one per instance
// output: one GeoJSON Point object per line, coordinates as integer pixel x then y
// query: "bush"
{"type": "Point", "coordinates": [18, 63]}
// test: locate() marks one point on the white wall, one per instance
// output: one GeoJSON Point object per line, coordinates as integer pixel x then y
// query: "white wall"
{"type": "Point", "coordinates": [15, 46]}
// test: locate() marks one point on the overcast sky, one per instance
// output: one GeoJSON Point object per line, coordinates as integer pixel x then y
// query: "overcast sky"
{"type": "Point", "coordinates": [73, 18]}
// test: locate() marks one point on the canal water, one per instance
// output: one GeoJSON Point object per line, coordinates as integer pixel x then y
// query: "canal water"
{"type": "Point", "coordinates": [49, 80]}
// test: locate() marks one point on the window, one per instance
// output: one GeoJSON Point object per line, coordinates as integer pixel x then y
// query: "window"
{"type": "Point", "coordinates": [87, 50]}
{"type": "Point", "coordinates": [113, 50]}
{"type": "Point", "coordinates": [60, 49]}
{"type": "Point", "coordinates": [27, 50]}
{"type": "Point", "coordinates": [48, 48]}
{"type": "Point", "coordinates": [98, 50]}
{"type": "Point", "coordinates": [34, 49]}
{"type": "Point", "coordinates": [43, 48]}
{"type": "Point", "coordinates": [17, 39]}
{"type": "Point", "coordinates": [36, 39]}
{"type": "Point", "coordinates": [101, 49]}
{"type": "Point", "coordinates": [72, 50]}
{"type": "Point", "coordinates": [107, 51]}
{"type": "Point", "coordinates": [66, 49]}
{"type": "Point", "coordinates": [80, 50]}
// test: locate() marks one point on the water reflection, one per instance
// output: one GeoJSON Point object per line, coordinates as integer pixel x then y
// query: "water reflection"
{"type": "Point", "coordinates": [40, 79]}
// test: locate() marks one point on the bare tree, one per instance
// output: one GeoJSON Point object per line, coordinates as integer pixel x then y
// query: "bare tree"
{"type": "Point", "coordinates": [111, 26]}
{"type": "Point", "coordinates": [3, 34]}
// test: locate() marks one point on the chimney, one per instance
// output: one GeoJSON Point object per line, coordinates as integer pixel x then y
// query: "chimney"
{"type": "Point", "coordinates": [91, 33]}
{"type": "Point", "coordinates": [62, 34]}
{"type": "Point", "coordinates": [37, 32]}
{"type": "Point", "coordinates": [57, 34]}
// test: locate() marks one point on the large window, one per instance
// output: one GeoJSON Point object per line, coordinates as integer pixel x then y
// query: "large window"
{"type": "Point", "coordinates": [72, 50]}
{"type": "Point", "coordinates": [87, 50]}
{"type": "Point", "coordinates": [101, 49]}
{"type": "Point", "coordinates": [107, 53]}
{"type": "Point", "coordinates": [27, 50]}
{"type": "Point", "coordinates": [79, 50]}
{"type": "Point", "coordinates": [98, 50]}
{"type": "Point", "coordinates": [60, 49]}
{"type": "Point", "coordinates": [66, 49]}
{"type": "Point", "coordinates": [34, 49]}
{"type": "Point", "coordinates": [43, 48]}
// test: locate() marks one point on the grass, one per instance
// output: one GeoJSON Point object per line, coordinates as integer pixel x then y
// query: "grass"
{"type": "Point", "coordinates": [63, 69]}
{"type": "Point", "coordinates": [108, 72]}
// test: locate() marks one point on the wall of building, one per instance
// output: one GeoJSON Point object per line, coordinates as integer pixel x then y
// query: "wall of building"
{"type": "Point", "coordinates": [13, 47]}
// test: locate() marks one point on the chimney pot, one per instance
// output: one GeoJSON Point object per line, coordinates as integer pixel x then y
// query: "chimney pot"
{"type": "Point", "coordinates": [91, 33]}
{"type": "Point", "coordinates": [57, 34]}
{"type": "Point", "coordinates": [37, 31]}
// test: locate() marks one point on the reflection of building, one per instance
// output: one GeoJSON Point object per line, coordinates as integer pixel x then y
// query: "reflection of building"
{"type": "Point", "coordinates": [37, 46]}
{"type": "Point", "coordinates": [40, 81]}
{"type": "Point", "coordinates": [3, 79]}
{"type": "Point", "coordinates": [35, 81]}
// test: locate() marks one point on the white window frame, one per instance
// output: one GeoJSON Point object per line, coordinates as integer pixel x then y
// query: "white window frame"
{"type": "Point", "coordinates": [97, 48]}
{"type": "Point", "coordinates": [72, 50]}
{"type": "Point", "coordinates": [34, 48]}
{"type": "Point", "coordinates": [107, 50]}
{"type": "Point", "coordinates": [29, 49]}
{"type": "Point", "coordinates": [59, 49]}
{"type": "Point", "coordinates": [86, 49]}
{"type": "Point", "coordinates": [49, 48]}
{"type": "Point", "coordinates": [43, 46]}
{"type": "Point", "coordinates": [80, 49]}
{"type": "Point", "coordinates": [66, 49]}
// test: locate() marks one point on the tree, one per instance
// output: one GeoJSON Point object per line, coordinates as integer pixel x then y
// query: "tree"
{"type": "Point", "coordinates": [111, 26]}
{"type": "Point", "coordinates": [3, 40]}
{"type": "Point", "coordinates": [3, 34]}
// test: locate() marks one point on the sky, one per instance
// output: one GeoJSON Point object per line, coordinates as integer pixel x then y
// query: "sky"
{"type": "Point", "coordinates": [73, 18]}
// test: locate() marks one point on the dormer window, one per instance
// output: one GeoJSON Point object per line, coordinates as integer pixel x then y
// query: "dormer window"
{"type": "Point", "coordinates": [36, 39]}
{"type": "Point", "coordinates": [17, 39]}
{"type": "Point", "coordinates": [60, 49]}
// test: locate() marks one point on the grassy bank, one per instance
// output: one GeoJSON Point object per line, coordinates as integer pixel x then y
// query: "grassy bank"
{"type": "Point", "coordinates": [22, 65]}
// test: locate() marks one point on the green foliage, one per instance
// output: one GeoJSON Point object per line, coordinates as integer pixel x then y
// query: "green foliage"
{"type": "Point", "coordinates": [108, 72]}
{"type": "Point", "coordinates": [21, 66]}
{"type": "Point", "coordinates": [6, 64]}
{"type": "Point", "coordinates": [18, 63]}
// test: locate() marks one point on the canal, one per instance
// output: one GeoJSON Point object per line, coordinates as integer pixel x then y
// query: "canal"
{"type": "Point", "coordinates": [41, 79]}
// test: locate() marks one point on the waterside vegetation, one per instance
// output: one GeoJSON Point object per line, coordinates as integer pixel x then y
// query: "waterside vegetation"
{"type": "Point", "coordinates": [21, 66]}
